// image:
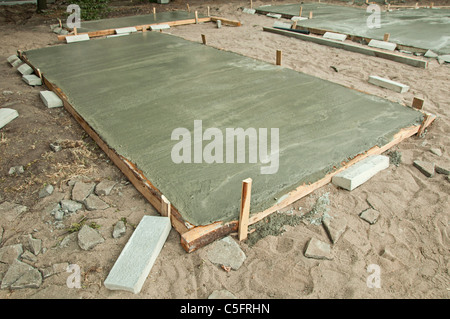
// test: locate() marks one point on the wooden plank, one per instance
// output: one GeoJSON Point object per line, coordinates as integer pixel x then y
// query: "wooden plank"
{"type": "Point", "coordinates": [278, 57]}
{"type": "Point", "coordinates": [427, 120]}
{"type": "Point", "coordinates": [386, 37]}
{"type": "Point", "coordinates": [203, 235]}
{"type": "Point", "coordinates": [165, 206]}
{"type": "Point", "coordinates": [353, 48]}
{"type": "Point", "coordinates": [227, 21]}
{"type": "Point", "coordinates": [204, 39]}
{"type": "Point", "coordinates": [245, 208]}
{"type": "Point", "coordinates": [417, 103]}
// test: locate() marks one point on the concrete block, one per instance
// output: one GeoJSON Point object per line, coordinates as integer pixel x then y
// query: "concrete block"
{"type": "Point", "coordinates": [274, 15]}
{"type": "Point", "coordinates": [126, 30]}
{"type": "Point", "coordinates": [426, 168]}
{"type": "Point", "coordinates": [295, 18]}
{"type": "Point", "coordinates": [382, 45]}
{"type": "Point", "coordinates": [32, 79]}
{"type": "Point", "coordinates": [77, 38]}
{"type": "Point", "coordinates": [12, 58]}
{"type": "Point", "coordinates": [360, 172]}
{"type": "Point", "coordinates": [444, 58]}
{"type": "Point", "coordinates": [317, 249]}
{"type": "Point", "coordinates": [7, 115]}
{"type": "Point", "coordinates": [335, 36]}
{"type": "Point", "coordinates": [441, 169]}
{"type": "Point", "coordinates": [219, 24]}
{"type": "Point", "coordinates": [25, 69]}
{"type": "Point", "coordinates": [16, 63]}
{"type": "Point", "coordinates": [139, 254]}
{"type": "Point", "coordinates": [159, 27]}
{"type": "Point", "coordinates": [249, 11]}
{"type": "Point", "coordinates": [334, 227]}
{"type": "Point", "coordinates": [279, 24]}
{"type": "Point", "coordinates": [163, 1]}
{"type": "Point", "coordinates": [50, 99]}
{"type": "Point", "coordinates": [388, 84]}
{"type": "Point", "coordinates": [226, 252]}
{"type": "Point", "coordinates": [370, 215]}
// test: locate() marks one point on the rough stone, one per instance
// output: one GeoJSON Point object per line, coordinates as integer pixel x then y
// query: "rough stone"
{"type": "Point", "coordinates": [46, 191]}
{"type": "Point", "coordinates": [370, 215]}
{"type": "Point", "coordinates": [10, 253]}
{"type": "Point", "coordinates": [16, 170]}
{"type": "Point", "coordinates": [28, 256]}
{"type": "Point", "coordinates": [334, 227]}
{"type": "Point", "coordinates": [221, 294]}
{"type": "Point", "coordinates": [426, 168]}
{"type": "Point", "coordinates": [70, 206]}
{"type": "Point", "coordinates": [63, 32]}
{"type": "Point", "coordinates": [82, 190]}
{"type": "Point", "coordinates": [444, 58]}
{"type": "Point", "coordinates": [50, 99]}
{"type": "Point", "coordinates": [88, 238]}
{"type": "Point", "coordinates": [59, 215]}
{"type": "Point", "coordinates": [119, 229]}
{"type": "Point", "coordinates": [55, 147]}
{"type": "Point", "coordinates": [104, 188]}
{"type": "Point", "coordinates": [95, 203]}
{"type": "Point", "coordinates": [436, 151]}
{"type": "Point", "coordinates": [442, 170]}
{"type": "Point", "coordinates": [11, 211]}
{"type": "Point", "coordinates": [21, 275]}
{"type": "Point", "coordinates": [35, 244]}
{"type": "Point", "coordinates": [46, 272]}
{"type": "Point", "coordinates": [430, 54]}
{"type": "Point", "coordinates": [32, 80]}
{"type": "Point", "coordinates": [7, 115]}
{"type": "Point", "coordinates": [317, 249]}
{"type": "Point", "coordinates": [25, 69]}
{"type": "Point", "coordinates": [226, 252]}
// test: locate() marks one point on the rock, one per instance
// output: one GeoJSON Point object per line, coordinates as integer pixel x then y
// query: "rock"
{"type": "Point", "coordinates": [21, 275]}
{"type": "Point", "coordinates": [221, 294]}
{"type": "Point", "coordinates": [46, 272]}
{"type": "Point", "coordinates": [32, 80]}
{"type": "Point", "coordinates": [104, 188]}
{"type": "Point", "coordinates": [436, 151]}
{"type": "Point", "coordinates": [55, 147]}
{"type": "Point", "coordinates": [70, 206]}
{"type": "Point", "coordinates": [16, 170]}
{"type": "Point", "coordinates": [11, 211]}
{"type": "Point", "coordinates": [426, 168]}
{"type": "Point", "coordinates": [226, 252]}
{"type": "Point", "coordinates": [66, 240]}
{"type": "Point", "coordinates": [317, 249]}
{"type": "Point", "coordinates": [82, 190]}
{"type": "Point", "coordinates": [46, 191]}
{"type": "Point", "coordinates": [95, 203]}
{"type": "Point", "coordinates": [442, 170]}
{"type": "Point", "coordinates": [35, 245]}
{"type": "Point", "coordinates": [7, 92]}
{"type": "Point", "coordinates": [89, 238]}
{"type": "Point", "coordinates": [59, 267]}
{"type": "Point", "coordinates": [334, 227]}
{"type": "Point", "coordinates": [430, 54]}
{"type": "Point", "coordinates": [119, 229]}
{"type": "Point", "coordinates": [8, 254]}
{"type": "Point", "coordinates": [28, 255]}
{"type": "Point", "coordinates": [59, 215]}
{"type": "Point", "coordinates": [444, 58]}
{"type": "Point", "coordinates": [370, 215]}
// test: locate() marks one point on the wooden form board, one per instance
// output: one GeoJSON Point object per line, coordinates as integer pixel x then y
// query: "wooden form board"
{"type": "Point", "coordinates": [195, 237]}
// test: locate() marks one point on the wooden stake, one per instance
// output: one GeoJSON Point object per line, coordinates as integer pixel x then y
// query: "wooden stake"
{"type": "Point", "coordinates": [60, 23]}
{"type": "Point", "coordinates": [278, 62]}
{"type": "Point", "coordinates": [144, 28]}
{"type": "Point", "coordinates": [389, 7]}
{"type": "Point", "coordinates": [154, 10]}
{"type": "Point", "coordinates": [300, 13]}
{"type": "Point", "coordinates": [165, 206]}
{"type": "Point", "coordinates": [245, 208]}
{"type": "Point", "coordinates": [75, 31]}
{"type": "Point", "coordinates": [417, 5]}
{"type": "Point", "coordinates": [188, 9]}
{"type": "Point", "coordinates": [310, 14]}
{"type": "Point", "coordinates": [39, 73]}
{"type": "Point", "coordinates": [209, 13]}
{"type": "Point", "coordinates": [386, 37]}
{"type": "Point", "coordinates": [251, 4]}
{"type": "Point", "coordinates": [417, 103]}
{"type": "Point", "coordinates": [431, 5]}
{"type": "Point", "coordinates": [294, 25]}
{"type": "Point", "coordinates": [204, 39]}
{"type": "Point", "coordinates": [196, 17]}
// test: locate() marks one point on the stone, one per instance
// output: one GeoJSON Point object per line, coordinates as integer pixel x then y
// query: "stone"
{"type": "Point", "coordinates": [92, 202]}
{"type": "Point", "coordinates": [334, 227]}
{"type": "Point", "coordinates": [335, 36]}
{"type": "Point", "coordinates": [63, 32]}
{"type": "Point", "coordinates": [7, 115]}
{"type": "Point", "coordinates": [119, 229]}
{"type": "Point", "coordinates": [10, 253]}
{"type": "Point", "coordinates": [370, 215]}
{"type": "Point", "coordinates": [426, 168]}
{"type": "Point", "coordinates": [219, 24]}
{"type": "Point", "coordinates": [139, 254]}
{"type": "Point", "coordinates": [382, 45]}
{"type": "Point", "coordinates": [226, 252]}
{"type": "Point", "coordinates": [28, 256]}
{"type": "Point", "coordinates": [221, 294]}
{"type": "Point", "coordinates": [50, 99]}
{"type": "Point", "coordinates": [11, 211]}
{"type": "Point", "coordinates": [6, 92]}
{"type": "Point", "coordinates": [32, 80]}
{"type": "Point", "coordinates": [59, 268]}
{"type": "Point", "coordinates": [21, 275]}
{"type": "Point", "coordinates": [436, 151]}
{"type": "Point", "coordinates": [249, 11]}
{"type": "Point", "coordinates": [442, 170]}
{"type": "Point", "coordinates": [77, 38]}
{"type": "Point", "coordinates": [82, 190]}
{"type": "Point", "coordinates": [46, 272]}
{"type": "Point", "coordinates": [430, 54]}
{"type": "Point", "coordinates": [59, 215]}
{"type": "Point", "coordinates": [88, 238]}
{"type": "Point", "coordinates": [1, 234]}
{"type": "Point", "coordinates": [388, 84]}
{"type": "Point", "coordinates": [35, 244]}
{"type": "Point", "coordinates": [296, 18]}
{"type": "Point", "coordinates": [360, 172]}
{"type": "Point", "coordinates": [55, 147]}
{"type": "Point", "coordinates": [46, 191]}
{"type": "Point", "coordinates": [25, 69]}
{"type": "Point", "coordinates": [70, 206]}
{"type": "Point", "coordinates": [126, 30]}
{"type": "Point", "coordinates": [104, 188]}
{"type": "Point", "coordinates": [16, 170]}
{"type": "Point", "coordinates": [317, 249]}
{"type": "Point", "coordinates": [159, 27]}
{"type": "Point", "coordinates": [57, 29]}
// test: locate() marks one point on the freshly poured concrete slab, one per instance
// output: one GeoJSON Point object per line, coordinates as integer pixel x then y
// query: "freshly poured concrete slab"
{"type": "Point", "coordinates": [421, 28]}
{"type": "Point", "coordinates": [7, 115]}
{"type": "Point", "coordinates": [320, 123]}
{"type": "Point", "coordinates": [139, 254]}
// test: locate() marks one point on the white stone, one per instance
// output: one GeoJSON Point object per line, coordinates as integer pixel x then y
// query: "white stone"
{"type": "Point", "coordinates": [32, 79]}
{"type": "Point", "coordinates": [382, 45]}
{"type": "Point", "coordinates": [7, 115]}
{"type": "Point", "coordinates": [77, 38]}
{"type": "Point", "coordinates": [25, 69]}
{"type": "Point", "coordinates": [159, 27]}
{"type": "Point", "coordinates": [139, 254]}
{"type": "Point", "coordinates": [335, 36]}
{"type": "Point", "coordinates": [50, 99]}
{"type": "Point", "coordinates": [249, 11]}
{"type": "Point", "coordinates": [360, 172]}
{"type": "Point", "coordinates": [295, 18]}
{"type": "Point", "coordinates": [126, 30]}
{"type": "Point", "coordinates": [388, 84]}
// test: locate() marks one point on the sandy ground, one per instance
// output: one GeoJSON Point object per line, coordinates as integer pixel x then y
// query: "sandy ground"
{"type": "Point", "coordinates": [410, 241]}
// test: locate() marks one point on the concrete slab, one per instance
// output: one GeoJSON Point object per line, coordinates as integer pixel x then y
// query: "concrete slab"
{"type": "Point", "coordinates": [139, 254]}
{"type": "Point", "coordinates": [335, 36]}
{"type": "Point", "coordinates": [7, 115]}
{"type": "Point", "coordinates": [32, 80]}
{"type": "Point", "coordinates": [360, 172]}
{"type": "Point", "coordinates": [382, 45]}
{"type": "Point", "coordinates": [50, 99]}
{"type": "Point", "coordinates": [388, 84]}
{"type": "Point", "coordinates": [25, 69]}
{"type": "Point", "coordinates": [77, 38]}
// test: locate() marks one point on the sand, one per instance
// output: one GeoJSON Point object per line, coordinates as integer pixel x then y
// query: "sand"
{"type": "Point", "coordinates": [409, 242]}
